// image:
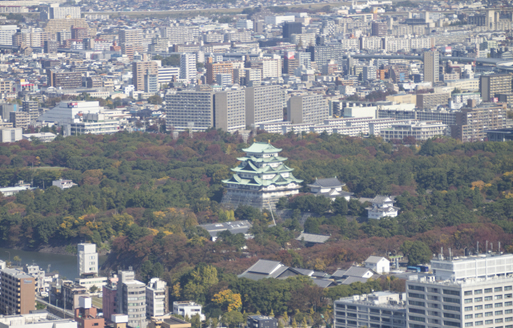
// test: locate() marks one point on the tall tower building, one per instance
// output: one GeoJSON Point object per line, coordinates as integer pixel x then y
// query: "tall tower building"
{"type": "Point", "coordinates": [217, 68]}
{"type": "Point", "coordinates": [432, 66]}
{"type": "Point", "coordinates": [230, 110]}
{"type": "Point", "coordinates": [131, 36]}
{"type": "Point", "coordinates": [264, 104]}
{"type": "Point", "coordinates": [188, 68]}
{"type": "Point", "coordinates": [140, 69]}
{"type": "Point", "coordinates": [307, 109]}
{"type": "Point", "coordinates": [87, 259]}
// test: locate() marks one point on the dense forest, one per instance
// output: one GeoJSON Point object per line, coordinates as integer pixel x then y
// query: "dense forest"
{"type": "Point", "coordinates": [142, 196]}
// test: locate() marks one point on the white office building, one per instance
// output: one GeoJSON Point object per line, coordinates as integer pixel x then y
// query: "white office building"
{"type": "Point", "coordinates": [472, 296]}
{"type": "Point", "coordinates": [63, 184]}
{"type": "Point", "coordinates": [482, 266]}
{"type": "Point", "coordinates": [87, 259]}
{"type": "Point", "coordinates": [376, 310]}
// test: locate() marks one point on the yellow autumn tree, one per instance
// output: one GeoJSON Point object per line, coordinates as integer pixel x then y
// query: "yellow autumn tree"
{"type": "Point", "coordinates": [228, 300]}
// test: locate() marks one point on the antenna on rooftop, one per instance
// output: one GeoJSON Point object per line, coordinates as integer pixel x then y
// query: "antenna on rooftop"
{"type": "Point", "coordinates": [487, 246]}
{"type": "Point", "coordinates": [477, 248]}
{"type": "Point", "coordinates": [499, 247]}
{"type": "Point", "coordinates": [450, 254]}
{"type": "Point", "coordinates": [491, 247]}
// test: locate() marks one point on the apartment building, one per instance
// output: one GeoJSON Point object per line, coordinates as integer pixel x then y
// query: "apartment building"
{"type": "Point", "coordinates": [473, 122]}
{"type": "Point", "coordinates": [379, 309]}
{"type": "Point", "coordinates": [10, 134]}
{"type": "Point", "coordinates": [18, 292]}
{"type": "Point", "coordinates": [131, 36]}
{"type": "Point", "coordinates": [6, 34]}
{"type": "Point", "coordinates": [492, 85]}
{"type": "Point", "coordinates": [157, 298]}
{"type": "Point", "coordinates": [310, 108]}
{"type": "Point", "coordinates": [264, 104]}
{"type": "Point", "coordinates": [19, 119]}
{"type": "Point", "coordinates": [230, 110]}
{"type": "Point", "coordinates": [189, 110]}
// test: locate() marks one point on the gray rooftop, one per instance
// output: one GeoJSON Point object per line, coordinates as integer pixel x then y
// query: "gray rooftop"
{"type": "Point", "coordinates": [313, 238]}
{"type": "Point", "coordinates": [373, 259]}
{"type": "Point", "coordinates": [327, 183]}
{"type": "Point", "coordinates": [234, 227]}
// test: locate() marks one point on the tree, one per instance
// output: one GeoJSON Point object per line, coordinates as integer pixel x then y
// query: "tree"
{"type": "Point", "coordinates": [418, 252]}
{"type": "Point", "coordinates": [232, 318]}
{"type": "Point", "coordinates": [227, 300]}
{"type": "Point", "coordinates": [17, 259]}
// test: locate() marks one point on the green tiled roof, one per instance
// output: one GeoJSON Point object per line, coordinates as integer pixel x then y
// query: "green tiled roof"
{"type": "Point", "coordinates": [261, 147]}
{"type": "Point", "coordinates": [256, 181]}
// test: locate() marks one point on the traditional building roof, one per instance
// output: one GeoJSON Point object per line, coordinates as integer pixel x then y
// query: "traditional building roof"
{"type": "Point", "coordinates": [313, 238]}
{"type": "Point", "coordinates": [261, 147]}
{"type": "Point", "coordinates": [327, 183]}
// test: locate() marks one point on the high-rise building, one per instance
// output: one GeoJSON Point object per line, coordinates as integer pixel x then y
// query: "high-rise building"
{"type": "Point", "coordinates": [6, 34]}
{"type": "Point", "coordinates": [131, 299]}
{"type": "Point", "coordinates": [492, 85]}
{"type": "Point", "coordinates": [224, 79]}
{"type": "Point", "coordinates": [17, 292]}
{"type": "Point", "coordinates": [109, 297]}
{"type": "Point", "coordinates": [157, 298]}
{"type": "Point", "coordinates": [56, 12]}
{"type": "Point", "coordinates": [50, 46]}
{"type": "Point", "coordinates": [379, 29]}
{"type": "Point", "coordinates": [430, 100]}
{"type": "Point", "coordinates": [189, 110]}
{"type": "Point", "coordinates": [369, 73]}
{"type": "Point", "coordinates": [463, 292]}
{"type": "Point", "coordinates": [139, 70]}
{"type": "Point", "coordinates": [473, 122]}
{"type": "Point", "coordinates": [213, 69]}
{"type": "Point", "coordinates": [32, 108]}
{"type": "Point", "coordinates": [188, 68]}
{"type": "Point", "coordinates": [264, 104]}
{"type": "Point", "coordinates": [307, 109]}
{"type": "Point", "coordinates": [131, 36]}
{"type": "Point", "coordinates": [432, 66]}
{"type": "Point", "coordinates": [151, 83]}
{"type": "Point", "coordinates": [230, 110]}
{"type": "Point", "coordinates": [290, 28]}
{"type": "Point", "coordinates": [87, 259]}
{"type": "Point", "coordinates": [19, 119]}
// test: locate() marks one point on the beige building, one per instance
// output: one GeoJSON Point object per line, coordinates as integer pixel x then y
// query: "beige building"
{"type": "Point", "coordinates": [230, 110]}
{"type": "Point", "coordinates": [431, 66]}
{"type": "Point", "coordinates": [139, 70]}
{"type": "Point", "coordinates": [18, 292]}
{"type": "Point", "coordinates": [418, 130]}
{"type": "Point", "coordinates": [307, 109]}
{"type": "Point", "coordinates": [403, 99]}
{"type": "Point", "coordinates": [430, 100]}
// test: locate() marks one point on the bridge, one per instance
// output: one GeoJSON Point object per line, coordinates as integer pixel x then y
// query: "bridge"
{"type": "Point", "coordinates": [55, 310]}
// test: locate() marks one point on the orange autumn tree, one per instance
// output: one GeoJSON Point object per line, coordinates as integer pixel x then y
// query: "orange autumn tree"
{"type": "Point", "coordinates": [228, 300]}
